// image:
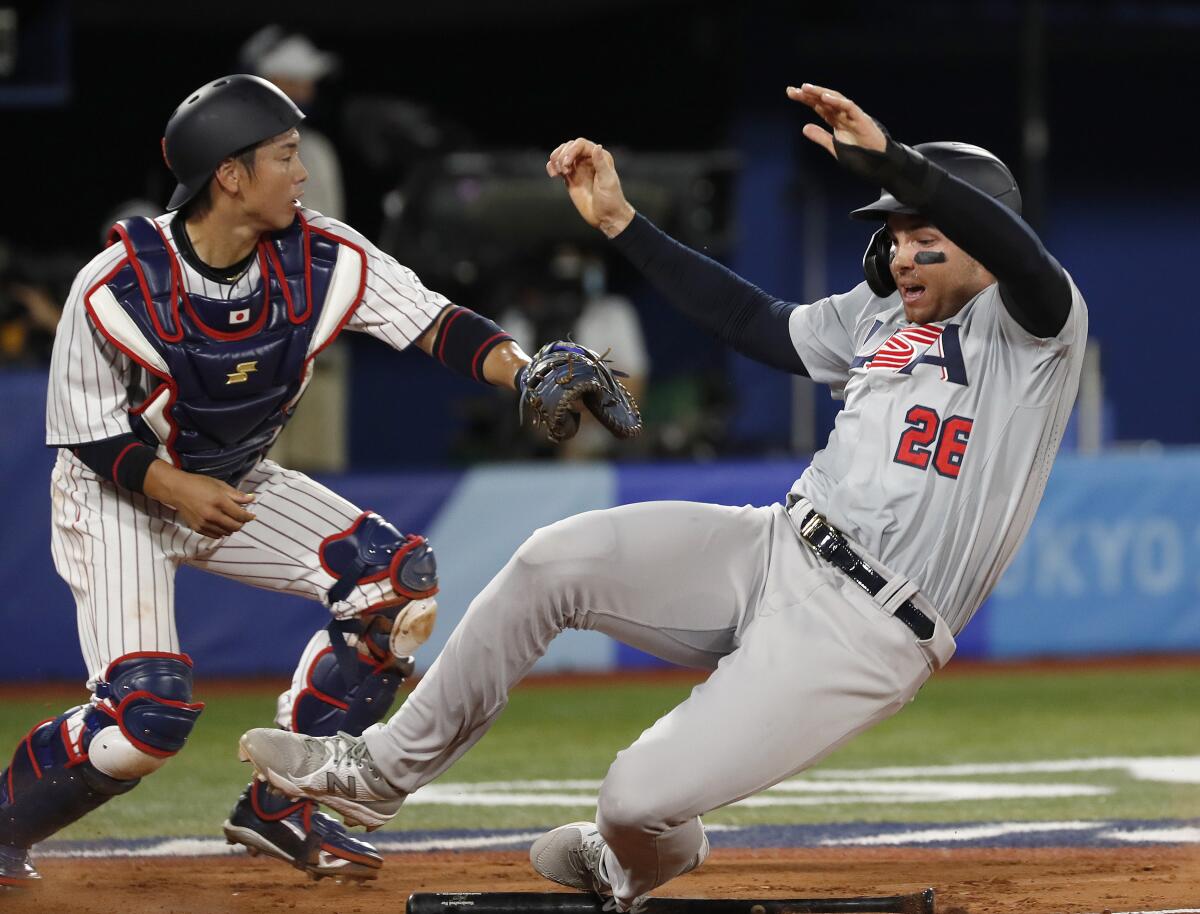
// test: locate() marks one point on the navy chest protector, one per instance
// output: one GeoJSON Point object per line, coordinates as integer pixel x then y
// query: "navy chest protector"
{"type": "Point", "coordinates": [229, 371]}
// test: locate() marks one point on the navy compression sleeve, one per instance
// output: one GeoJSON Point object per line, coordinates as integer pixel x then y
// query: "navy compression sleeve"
{"type": "Point", "coordinates": [743, 315]}
{"type": "Point", "coordinates": [1033, 286]}
{"type": "Point", "coordinates": [123, 460]}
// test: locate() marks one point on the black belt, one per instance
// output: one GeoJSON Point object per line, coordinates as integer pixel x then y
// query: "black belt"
{"type": "Point", "coordinates": [828, 542]}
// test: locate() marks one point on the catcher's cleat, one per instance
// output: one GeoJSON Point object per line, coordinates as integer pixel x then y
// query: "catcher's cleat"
{"type": "Point", "coordinates": [335, 770]}
{"type": "Point", "coordinates": [297, 833]}
{"type": "Point", "coordinates": [16, 869]}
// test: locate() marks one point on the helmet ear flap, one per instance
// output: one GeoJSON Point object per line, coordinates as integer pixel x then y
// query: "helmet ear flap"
{"type": "Point", "coordinates": [877, 262]}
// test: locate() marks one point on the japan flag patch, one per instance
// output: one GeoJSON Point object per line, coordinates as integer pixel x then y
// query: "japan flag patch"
{"type": "Point", "coordinates": [239, 317]}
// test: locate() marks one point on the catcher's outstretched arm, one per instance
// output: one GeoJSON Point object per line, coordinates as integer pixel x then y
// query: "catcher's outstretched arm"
{"type": "Point", "coordinates": [743, 315]}
{"type": "Point", "coordinates": [473, 345]}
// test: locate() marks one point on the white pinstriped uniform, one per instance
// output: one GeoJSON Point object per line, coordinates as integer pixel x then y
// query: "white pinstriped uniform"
{"type": "Point", "coordinates": [118, 550]}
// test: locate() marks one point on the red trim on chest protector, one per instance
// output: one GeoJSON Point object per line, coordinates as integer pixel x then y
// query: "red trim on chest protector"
{"type": "Point", "coordinates": [165, 377]}
{"type": "Point", "coordinates": [131, 258]}
{"type": "Point", "coordinates": [358, 297]}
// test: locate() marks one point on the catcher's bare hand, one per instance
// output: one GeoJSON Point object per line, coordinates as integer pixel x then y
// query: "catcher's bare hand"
{"type": "Point", "coordinates": [593, 184]}
{"type": "Point", "coordinates": [851, 125]}
{"type": "Point", "coordinates": [209, 506]}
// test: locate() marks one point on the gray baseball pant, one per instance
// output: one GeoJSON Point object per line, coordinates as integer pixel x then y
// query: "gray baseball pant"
{"type": "Point", "coordinates": [802, 659]}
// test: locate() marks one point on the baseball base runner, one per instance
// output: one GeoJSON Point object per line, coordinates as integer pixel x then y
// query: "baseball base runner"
{"type": "Point", "coordinates": [958, 359]}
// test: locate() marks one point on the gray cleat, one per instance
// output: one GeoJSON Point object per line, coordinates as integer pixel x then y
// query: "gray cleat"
{"type": "Point", "coordinates": [335, 770]}
{"type": "Point", "coordinates": [571, 855]}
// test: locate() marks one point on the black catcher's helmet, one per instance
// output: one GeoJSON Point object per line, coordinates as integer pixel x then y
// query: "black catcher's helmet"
{"type": "Point", "coordinates": [217, 120]}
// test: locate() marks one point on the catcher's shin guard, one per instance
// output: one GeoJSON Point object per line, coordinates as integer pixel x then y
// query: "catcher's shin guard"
{"type": "Point", "coordinates": [51, 782]}
{"type": "Point", "coordinates": [340, 689]}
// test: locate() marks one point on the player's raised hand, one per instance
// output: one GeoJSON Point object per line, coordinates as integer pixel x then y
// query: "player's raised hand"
{"type": "Point", "coordinates": [851, 125]}
{"type": "Point", "coordinates": [209, 506]}
{"type": "Point", "coordinates": [593, 184]}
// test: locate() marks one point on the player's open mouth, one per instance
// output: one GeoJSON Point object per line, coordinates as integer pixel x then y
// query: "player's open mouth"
{"type": "Point", "coordinates": [911, 294]}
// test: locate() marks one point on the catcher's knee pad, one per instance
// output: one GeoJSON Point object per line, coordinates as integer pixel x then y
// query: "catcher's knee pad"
{"type": "Point", "coordinates": [51, 782]}
{"type": "Point", "coordinates": [340, 693]}
{"type": "Point", "coordinates": [145, 702]}
{"type": "Point", "coordinates": [371, 551]}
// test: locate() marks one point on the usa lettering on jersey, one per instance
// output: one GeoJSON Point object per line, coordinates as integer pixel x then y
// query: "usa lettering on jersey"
{"type": "Point", "coordinates": [923, 344]}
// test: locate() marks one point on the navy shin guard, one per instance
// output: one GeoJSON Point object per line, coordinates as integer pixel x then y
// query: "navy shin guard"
{"type": "Point", "coordinates": [50, 784]}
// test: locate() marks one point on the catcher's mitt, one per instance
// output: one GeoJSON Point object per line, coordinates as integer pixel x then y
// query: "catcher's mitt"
{"type": "Point", "coordinates": [565, 377]}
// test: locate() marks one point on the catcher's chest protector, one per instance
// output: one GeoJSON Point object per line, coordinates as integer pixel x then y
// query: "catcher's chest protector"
{"type": "Point", "coordinates": [229, 371]}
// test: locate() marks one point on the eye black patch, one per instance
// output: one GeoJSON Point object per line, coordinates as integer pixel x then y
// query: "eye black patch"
{"type": "Point", "coordinates": [927, 257]}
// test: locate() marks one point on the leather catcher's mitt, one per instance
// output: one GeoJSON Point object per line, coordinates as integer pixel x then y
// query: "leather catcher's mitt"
{"type": "Point", "coordinates": [565, 377]}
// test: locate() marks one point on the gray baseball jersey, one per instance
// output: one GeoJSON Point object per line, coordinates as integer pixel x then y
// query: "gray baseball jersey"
{"type": "Point", "coordinates": [937, 463]}
{"type": "Point", "coordinates": [934, 470]}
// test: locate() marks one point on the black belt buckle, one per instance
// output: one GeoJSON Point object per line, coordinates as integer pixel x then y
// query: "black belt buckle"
{"type": "Point", "coordinates": [818, 534]}
{"type": "Point", "coordinates": [828, 543]}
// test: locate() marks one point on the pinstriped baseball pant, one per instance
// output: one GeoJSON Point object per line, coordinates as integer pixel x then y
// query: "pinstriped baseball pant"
{"type": "Point", "coordinates": [118, 552]}
{"type": "Point", "coordinates": [802, 659]}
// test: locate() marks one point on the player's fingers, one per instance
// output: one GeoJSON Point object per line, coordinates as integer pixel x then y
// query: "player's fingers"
{"type": "Point", "coordinates": [233, 512]}
{"type": "Point", "coordinates": [223, 523]}
{"type": "Point", "coordinates": [803, 96]}
{"type": "Point", "coordinates": [210, 530]}
{"type": "Point", "coordinates": [553, 164]}
{"type": "Point", "coordinates": [841, 107]}
{"type": "Point", "coordinates": [581, 146]}
{"type": "Point", "coordinates": [820, 91]}
{"type": "Point", "coordinates": [606, 170]}
{"type": "Point", "coordinates": [807, 93]}
{"type": "Point", "coordinates": [602, 161]}
{"type": "Point", "coordinates": [821, 137]}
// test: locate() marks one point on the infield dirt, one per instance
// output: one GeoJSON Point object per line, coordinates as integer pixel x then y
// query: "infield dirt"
{"type": "Point", "coordinates": [987, 881]}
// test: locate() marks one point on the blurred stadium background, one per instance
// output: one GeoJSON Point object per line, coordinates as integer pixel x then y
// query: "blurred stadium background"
{"type": "Point", "coordinates": [441, 116]}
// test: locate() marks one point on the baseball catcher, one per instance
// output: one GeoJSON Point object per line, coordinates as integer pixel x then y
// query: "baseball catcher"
{"type": "Point", "coordinates": [186, 347]}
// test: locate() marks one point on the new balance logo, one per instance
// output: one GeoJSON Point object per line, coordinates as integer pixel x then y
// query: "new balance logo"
{"type": "Point", "coordinates": [349, 788]}
{"type": "Point", "coordinates": [242, 372]}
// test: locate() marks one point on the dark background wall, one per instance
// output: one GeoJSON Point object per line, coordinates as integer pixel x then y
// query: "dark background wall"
{"type": "Point", "coordinates": [1117, 88]}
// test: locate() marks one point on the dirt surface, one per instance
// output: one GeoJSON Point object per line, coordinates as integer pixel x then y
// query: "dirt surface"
{"type": "Point", "coordinates": [1046, 881]}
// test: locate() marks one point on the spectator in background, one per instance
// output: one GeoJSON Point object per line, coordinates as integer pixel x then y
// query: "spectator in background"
{"type": "Point", "coordinates": [317, 440]}
{"type": "Point", "coordinates": [32, 285]}
{"type": "Point", "coordinates": [293, 63]}
{"type": "Point", "coordinates": [572, 299]}
{"type": "Point", "coordinates": [28, 319]}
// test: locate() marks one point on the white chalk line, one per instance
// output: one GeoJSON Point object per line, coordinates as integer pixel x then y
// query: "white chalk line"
{"type": "Point", "coordinates": [1181, 769]}
{"type": "Point", "coordinates": [398, 843]}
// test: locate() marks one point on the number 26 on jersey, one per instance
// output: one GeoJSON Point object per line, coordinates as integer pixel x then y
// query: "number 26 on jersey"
{"type": "Point", "coordinates": [927, 438]}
